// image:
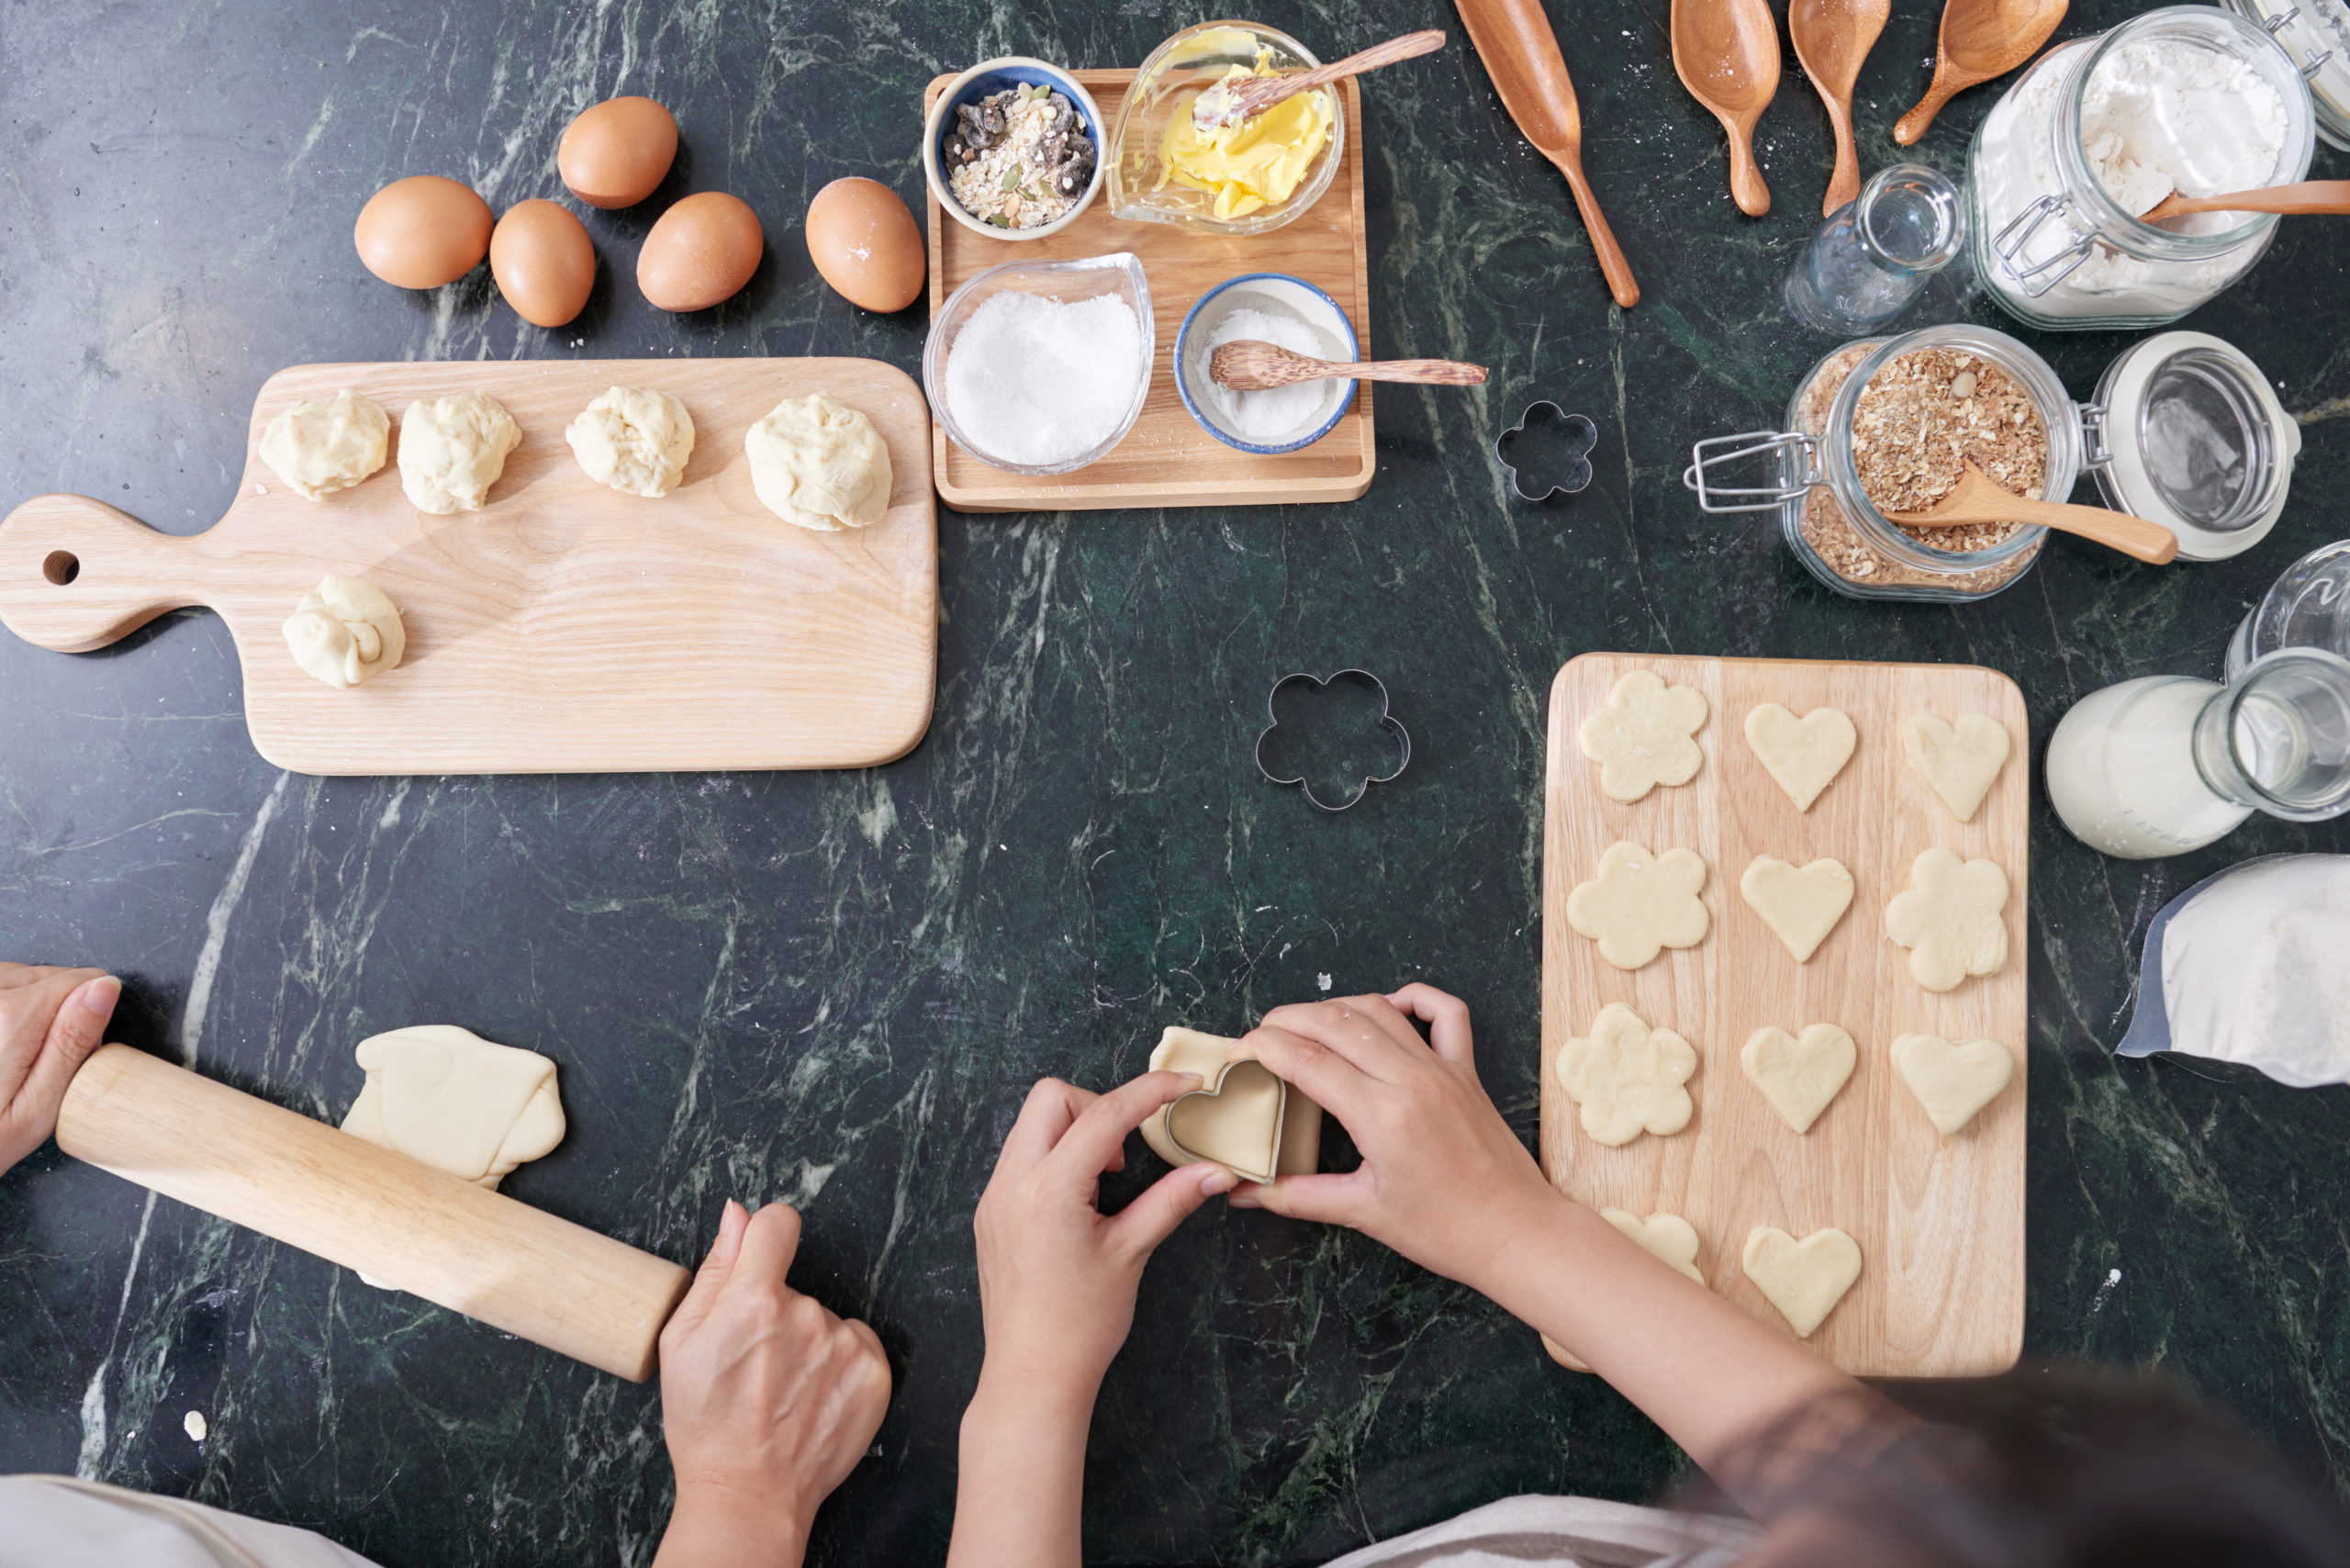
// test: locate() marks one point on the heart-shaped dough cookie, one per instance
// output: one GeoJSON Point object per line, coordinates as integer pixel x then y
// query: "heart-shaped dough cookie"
{"type": "Point", "coordinates": [1801, 904]}
{"type": "Point", "coordinates": [1953, 1080]}
{"type": "Point", "coordinates": [1959, 761]}
{"type": "Point", "coordinates": [1241, 1117]}
{"type": "Point", "coordinates": [1627, 1078]}
{"type": "Point", "coordinates": [1641, 902]}
{"type": "Point", "coordinates": [1953, 919]}
{"type": "Point", "coordinates": [1640, 735]}
{"type": "Point", "coordinates": [1804, 754]}
{"type": "Point", "coordinates": [1799, 1074]}
{"type": "Point", "coordinates": [1806, 1279]}
{"type": "Point", "coordinates": [1668, 1238]}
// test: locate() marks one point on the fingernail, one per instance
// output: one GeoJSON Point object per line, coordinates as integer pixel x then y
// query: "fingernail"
{"type": "Point", "coordinates": [1219, 1180]}
{"type": "Point", "coordinates": [1193, 1077]}
{"type": "Point", "coordinates": [1243, 1201]}
{"type": "Point", "coordinates": [100, 994]}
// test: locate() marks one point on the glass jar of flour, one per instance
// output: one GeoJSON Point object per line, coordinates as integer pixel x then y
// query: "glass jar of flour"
{"type": "Point", "coordinates": [2191, 98]}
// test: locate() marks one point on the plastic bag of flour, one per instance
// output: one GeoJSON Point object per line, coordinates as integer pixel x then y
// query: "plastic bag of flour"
{"type": "Point", "coordinates": [2253, 966]}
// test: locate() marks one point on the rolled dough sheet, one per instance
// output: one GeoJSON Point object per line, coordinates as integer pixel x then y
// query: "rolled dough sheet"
{"type": "Point", "coordinates": [458, 1102]}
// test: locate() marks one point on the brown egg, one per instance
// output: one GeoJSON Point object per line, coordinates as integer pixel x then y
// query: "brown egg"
{"type": "Point", "coordinates": [422, 231]}
{"type": "Point", "coordinates": [618, 152]}
{"type": "Point", "coordinates": [702, 252]}
{"type": "Point", "coordinates": [543, 262]}
{"type": "Point", "coordinates": [864, 244]}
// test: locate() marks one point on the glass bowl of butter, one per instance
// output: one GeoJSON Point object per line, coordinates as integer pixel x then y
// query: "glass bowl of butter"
{"type": "Point", "coordinates": [1238, 179]}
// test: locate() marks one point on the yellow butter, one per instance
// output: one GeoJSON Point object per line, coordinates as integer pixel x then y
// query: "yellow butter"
{"type": "Point", "coordinates": [1257, 164]}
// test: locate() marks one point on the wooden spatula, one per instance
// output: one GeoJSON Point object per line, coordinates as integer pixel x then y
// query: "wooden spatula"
{"type": "Point", "coordinates": [1979, 39]}
{"type": "Point", "coordinates": [1521, 54]}
{"type": "Point", "coordinates": [1832, 38]}
{"type": "Point", "coordinates": [1244, 364]}
{"type": "Point", "coordinates": [1245, 100]}
{"type": "Point", "coordinates": [1978, 498]}
{"type": "Point", "coordinates": [2309, 198]}
{"type": "Point", "coordinates": [1727, 54]}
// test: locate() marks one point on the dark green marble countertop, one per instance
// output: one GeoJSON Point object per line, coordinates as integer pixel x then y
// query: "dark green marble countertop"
{"type": "Point", "coordinates": [834, 988]}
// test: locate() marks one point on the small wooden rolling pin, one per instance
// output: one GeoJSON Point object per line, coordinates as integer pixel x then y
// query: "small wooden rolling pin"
{"type": "Point", "coordinates": [418, 1229]}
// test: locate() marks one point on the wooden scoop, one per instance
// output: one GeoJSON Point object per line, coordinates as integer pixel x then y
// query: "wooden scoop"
{"type": "Point", "coordinates": [1980, 39]}
{"type": "Point", "coordinates": [1832, 38]}
{"type": "Point", "coordinates": [1247, 99]}
{"type": "Point", "coordinates": [2309, 198]}
{"type": "Point", "coordinates": [1978, 498]}
{"type": "Point", "coordinates": [1521, 54]}
{"type": "Point", "coordinates": [1244, 364]}
{"type": "Point", "coordinates": [1727, 52]}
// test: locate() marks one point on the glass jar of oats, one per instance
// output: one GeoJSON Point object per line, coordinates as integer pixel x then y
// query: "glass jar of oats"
{"type": "Point", "coordinates": [1888, 425]}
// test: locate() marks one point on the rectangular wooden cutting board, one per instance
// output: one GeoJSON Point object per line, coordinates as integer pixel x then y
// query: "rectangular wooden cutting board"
{"type": "Point", "coordinates": [1939, 1221]}
{"type": "Point", "coordinates": [1166, 460]}
{"type": "Point", "coordinates": [566, 627]}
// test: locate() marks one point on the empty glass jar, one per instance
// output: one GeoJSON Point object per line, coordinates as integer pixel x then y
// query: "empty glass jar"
{"type": "Point", "coordinates": [1867, 262]}
{"type": "Point", "coordinates": [2308, 607]}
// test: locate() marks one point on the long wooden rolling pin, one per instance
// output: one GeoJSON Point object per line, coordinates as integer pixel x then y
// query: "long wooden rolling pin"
{"type": "Point", "coordinates": [418, 1229]}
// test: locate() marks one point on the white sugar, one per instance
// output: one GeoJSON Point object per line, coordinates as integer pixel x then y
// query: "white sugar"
{"type": "Point", "coordinates": [1266, 416]}
{"type": "Point", "coordinates": [1032, 380]}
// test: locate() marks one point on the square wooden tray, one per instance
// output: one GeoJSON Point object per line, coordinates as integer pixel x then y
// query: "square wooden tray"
{"type": "Point", "coordinates": [1939, 1221]}
{"type": "Point", "coordinates": [1166, 460]}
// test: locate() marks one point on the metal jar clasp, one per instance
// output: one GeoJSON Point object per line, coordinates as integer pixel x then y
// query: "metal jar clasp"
{"type": "Point", "coordinates": [2038, 279]}
{"type": "Point", "coordinates": [1720, 450]}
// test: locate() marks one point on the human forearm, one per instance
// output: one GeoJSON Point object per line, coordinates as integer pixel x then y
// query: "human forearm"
{"type": "Point", "coordinates": [1019, 1493]}
{"type": "Point", "coordinates": [1710, 1374]}
{"type": "Point", "coordinates": [708, 1530]}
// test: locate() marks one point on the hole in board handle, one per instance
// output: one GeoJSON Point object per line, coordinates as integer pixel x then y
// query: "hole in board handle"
{"type": "Point", "coordinates": [62, 567]}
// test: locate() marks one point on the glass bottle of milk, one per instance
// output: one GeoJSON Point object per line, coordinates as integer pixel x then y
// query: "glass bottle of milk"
{"type": "Point", "coordinates": [2168, 764]}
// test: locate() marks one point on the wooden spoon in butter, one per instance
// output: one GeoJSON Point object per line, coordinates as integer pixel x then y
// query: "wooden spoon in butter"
{"type": "Point", "coordinates": [1246, 365]}
{"type": "Point", "coordinates": [1245, 100]}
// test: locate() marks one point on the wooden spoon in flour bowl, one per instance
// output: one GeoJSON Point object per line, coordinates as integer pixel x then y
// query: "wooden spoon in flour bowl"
{"type": "Point", "coordinates": [1244, 364]}
{"type": "Point", "coordinates": [2309, 198]}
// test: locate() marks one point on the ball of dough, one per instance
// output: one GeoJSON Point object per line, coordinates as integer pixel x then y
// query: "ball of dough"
{"type": "Point", "coordinates": [633, 439]}
{"type": "Point", "coordinates": [346, 631]}
{"type": "Point", "coordinates": [453, 449]}
{"type": "Point", "coordinates": [327, 444]}
{"type": "Point", "coordinates": [820, 463]}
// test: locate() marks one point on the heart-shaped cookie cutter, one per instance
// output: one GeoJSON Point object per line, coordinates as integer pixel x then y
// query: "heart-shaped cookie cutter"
{"type": "Point", "coordinates": [1387, 720]}
{"type": "Point", "coordinates": [1582, 434]}
{"type": "Point", "coordinates": [1216, 1090]}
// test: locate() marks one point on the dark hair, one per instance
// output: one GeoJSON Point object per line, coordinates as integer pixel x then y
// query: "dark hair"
{"type": "Point", "coordinates": [2060, 1466]}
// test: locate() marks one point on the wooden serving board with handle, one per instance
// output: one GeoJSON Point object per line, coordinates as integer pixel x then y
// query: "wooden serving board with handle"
{"type": "Point", "coordinates": [1939, 1221]}
{"type": "Point", "coordinates": [564, 628]}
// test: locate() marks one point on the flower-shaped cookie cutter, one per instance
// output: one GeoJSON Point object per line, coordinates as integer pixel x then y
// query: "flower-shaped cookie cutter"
{"type": "Point", "coordinates": [1580, 434]}
{"type": "Point", "coordinates": [1387, 720]}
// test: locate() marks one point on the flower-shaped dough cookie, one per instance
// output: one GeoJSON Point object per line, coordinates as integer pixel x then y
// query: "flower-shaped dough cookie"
{"type": "Point", "coordinates": [1950, 918]}
{"type": "Point", "coordinates": [1640, 735]}
{"type": "Point", "coordinates": [1639, 902]}
{"type": "Point", "coordinates": [1627, 1078]}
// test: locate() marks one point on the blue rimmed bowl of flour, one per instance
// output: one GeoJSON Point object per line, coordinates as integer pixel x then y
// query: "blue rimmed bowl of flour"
{"type": "Point", "coordinates": [1006, 145]}
{"type": "Point", "coordinates": [1289, 313]}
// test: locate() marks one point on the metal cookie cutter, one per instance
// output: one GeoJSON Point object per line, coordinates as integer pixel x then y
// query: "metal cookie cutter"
{"type": "Point", "coordinates": [1581, 434]}
{"type": "Point", "coordinates": [1387, 720]}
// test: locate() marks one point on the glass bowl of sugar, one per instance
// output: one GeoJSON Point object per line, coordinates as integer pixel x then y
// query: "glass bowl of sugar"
{"type": "Point", "coordinates": [1041, 367]}
{"type": "Point", "coordinates": [1288, 313]}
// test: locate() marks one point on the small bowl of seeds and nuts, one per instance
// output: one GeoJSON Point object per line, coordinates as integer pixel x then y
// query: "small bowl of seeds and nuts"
{"type": "Point", "coordinates": [1012, 148]}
